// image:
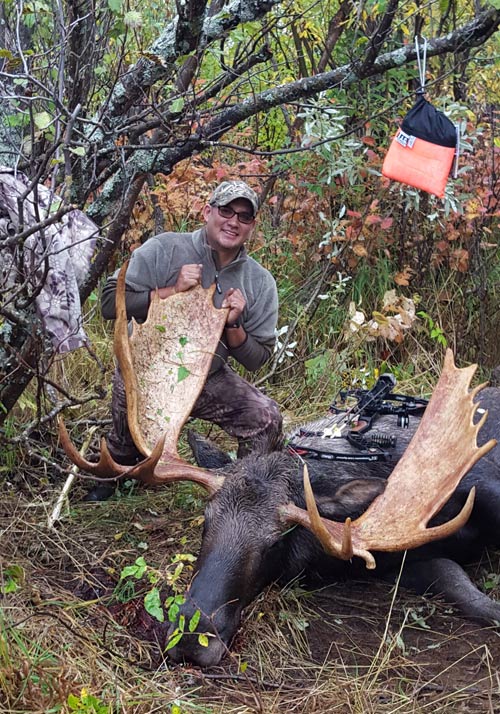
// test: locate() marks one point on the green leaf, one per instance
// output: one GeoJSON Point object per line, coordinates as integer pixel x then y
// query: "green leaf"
{"type": "Point", "coordinates": [173, 639]}
{"type": "Point", "coordinates": [42, 120]}
{"type": "Point", "coordinates": [182, 373]}
{"type": "Point", "coordinates": [193, 622]}
{"type": "Point", "coordinates": [9, 587]}
{"type": "Point", "coordinates": [173, 611]}
{"type": "Point", "coordinates": [177, 105]}
{"type": "Point", "coordinates": [78, 150]}
{"type": "Point", "coordinates": [152, 603]}
{"type": "Point", "coordinates": [178, 570]}
{"type": "Point", "coordinates": [152, 576]}
{"type": "Point", "coordinates": [187, 557]}
{"type": "Point", "coordinates": [115, 6]}
{"type": "Point", "coordinates": [13, 578]}
{"type": "Point", "coordinates": [73, 702]}
{"type": "Point", "coordinates": [16, 120]}
{"type": "Point", "coordinates": [160, 328]}
{"type": "Point", "coordinates": [183, 341]}
{"type": "Point", "coordinates": [128, 572]}
{"type": "Point", "coordinates": [134, 571]}
{"type": "Point", "coordinates": [203, 640]}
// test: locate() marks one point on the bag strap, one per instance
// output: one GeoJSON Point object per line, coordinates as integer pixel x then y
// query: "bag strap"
{"type": "Point", "coordinates": [421, 63]}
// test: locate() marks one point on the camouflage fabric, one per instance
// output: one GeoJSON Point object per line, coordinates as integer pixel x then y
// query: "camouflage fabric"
{"type": "Point", "coordinates": [238, 407]}
{"type": "Point", "coordinates": [227, 399]}
{"type": "Point", "coordinates": [60, 257]}
{"type": "Point", "coordinates": [229, 191]}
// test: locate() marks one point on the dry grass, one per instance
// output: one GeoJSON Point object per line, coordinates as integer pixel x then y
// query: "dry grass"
{"type": "Point", "coordinates": [347, 649]}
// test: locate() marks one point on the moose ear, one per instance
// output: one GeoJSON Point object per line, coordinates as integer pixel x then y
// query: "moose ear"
{"type": "Point", "coordinates": [350, 499]}
{"type": "Point", "coordinates": [206, 454]}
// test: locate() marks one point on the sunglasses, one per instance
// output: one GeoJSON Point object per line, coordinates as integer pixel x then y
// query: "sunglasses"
{"type": "Point", "coordinates": [243, 216]}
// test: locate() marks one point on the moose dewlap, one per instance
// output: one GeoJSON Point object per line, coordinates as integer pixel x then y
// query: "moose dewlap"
{"type": "Point", "coordinates": [421, 154]}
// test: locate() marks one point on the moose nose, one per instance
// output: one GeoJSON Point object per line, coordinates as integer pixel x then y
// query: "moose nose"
{"type": "Point", "coordinates": [190, 650]}
{"type": "Point", "coordinates": [208, 641]}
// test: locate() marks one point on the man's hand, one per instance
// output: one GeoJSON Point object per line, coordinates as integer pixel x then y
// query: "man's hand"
{"type": "Point", "coordinates": [189, 276]}
{"type": "Point", "coordinates": [234, 300]}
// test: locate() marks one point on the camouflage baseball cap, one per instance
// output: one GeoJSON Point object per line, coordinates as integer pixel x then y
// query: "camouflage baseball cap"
{"type": "Point", "coordinates": [228, 191]}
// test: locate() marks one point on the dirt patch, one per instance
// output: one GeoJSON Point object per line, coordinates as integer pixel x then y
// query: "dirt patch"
{"type": "Point", "coordinates": [432, 652]}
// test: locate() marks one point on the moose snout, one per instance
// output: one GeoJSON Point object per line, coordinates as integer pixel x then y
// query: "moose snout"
{"type": "Point", "coordinates": [201, 638]}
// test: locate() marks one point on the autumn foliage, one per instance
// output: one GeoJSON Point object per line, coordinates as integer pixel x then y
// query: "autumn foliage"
{"type": "Point", "coordinates": [443, 253]}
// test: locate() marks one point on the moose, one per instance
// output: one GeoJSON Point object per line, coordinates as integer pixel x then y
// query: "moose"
{"type": "Point", "coordinates": [270, 519]}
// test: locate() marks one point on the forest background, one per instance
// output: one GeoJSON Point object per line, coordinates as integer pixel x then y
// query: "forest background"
{"type": "Point", "coordinates": [132, 112]}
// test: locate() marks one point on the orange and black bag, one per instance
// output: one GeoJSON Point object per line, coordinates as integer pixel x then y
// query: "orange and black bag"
{"type": "Point", "coordinates": [421, 154]}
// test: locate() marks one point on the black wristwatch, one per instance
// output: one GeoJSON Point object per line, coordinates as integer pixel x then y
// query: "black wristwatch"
{"type": "Point", "coordinates": [234, 325]}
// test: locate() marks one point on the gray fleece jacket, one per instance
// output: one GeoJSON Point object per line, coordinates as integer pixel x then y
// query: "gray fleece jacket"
{"type": "Point", "coordinates": [156, 264]}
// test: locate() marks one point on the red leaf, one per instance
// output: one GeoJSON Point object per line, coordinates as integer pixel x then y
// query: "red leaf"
{"type": "Point", "coordinates": [459, 260]}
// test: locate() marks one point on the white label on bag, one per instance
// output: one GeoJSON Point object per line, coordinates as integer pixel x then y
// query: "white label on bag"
{"type": "Point", "coordinates": [406, 140]}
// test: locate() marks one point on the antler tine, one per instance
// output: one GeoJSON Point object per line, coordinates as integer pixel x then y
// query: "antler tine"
{"type": "Point", "coordinates": [149, 471]}
{"type": "Point", "coordinates": [179, 470]}
{"type": "Point", "coordinates": [123, 353]}
{"type": "Point", "coordinates": [344, 552]}
{"type": "Point", "coordinates": [441, 452]}
{"type": "Point", "coordinates": [172, 468]}
{"type": "Point", "coordinates": [106, 467]}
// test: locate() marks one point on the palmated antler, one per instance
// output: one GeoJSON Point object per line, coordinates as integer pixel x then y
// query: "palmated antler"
{"type": "Point", "coordinates": [441, 452]}
{"type": "Point", "coordinates": [164, 364]}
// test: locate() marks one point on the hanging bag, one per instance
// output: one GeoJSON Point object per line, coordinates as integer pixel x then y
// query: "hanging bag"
{"type": "Point", "coordinates": [421, 154]}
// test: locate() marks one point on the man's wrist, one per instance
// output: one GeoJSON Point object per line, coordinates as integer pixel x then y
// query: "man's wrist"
{"type": "Point", "coordinates": [235, 324]}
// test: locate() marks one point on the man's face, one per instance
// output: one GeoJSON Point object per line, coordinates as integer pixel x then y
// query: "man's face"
{"type": "Point", "coordinates": [227, 235]}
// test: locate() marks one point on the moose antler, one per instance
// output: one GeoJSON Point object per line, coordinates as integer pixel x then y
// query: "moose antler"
{"type": "Point", "coordinates": [164, 364]}
{"type": "Point", "coordinates": [441, 452]}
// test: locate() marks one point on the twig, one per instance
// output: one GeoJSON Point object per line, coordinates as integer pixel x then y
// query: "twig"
{"type": "Point", "coordinates": [238, 678]}
{"type": "Point", "coordinates": [54, 516]}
